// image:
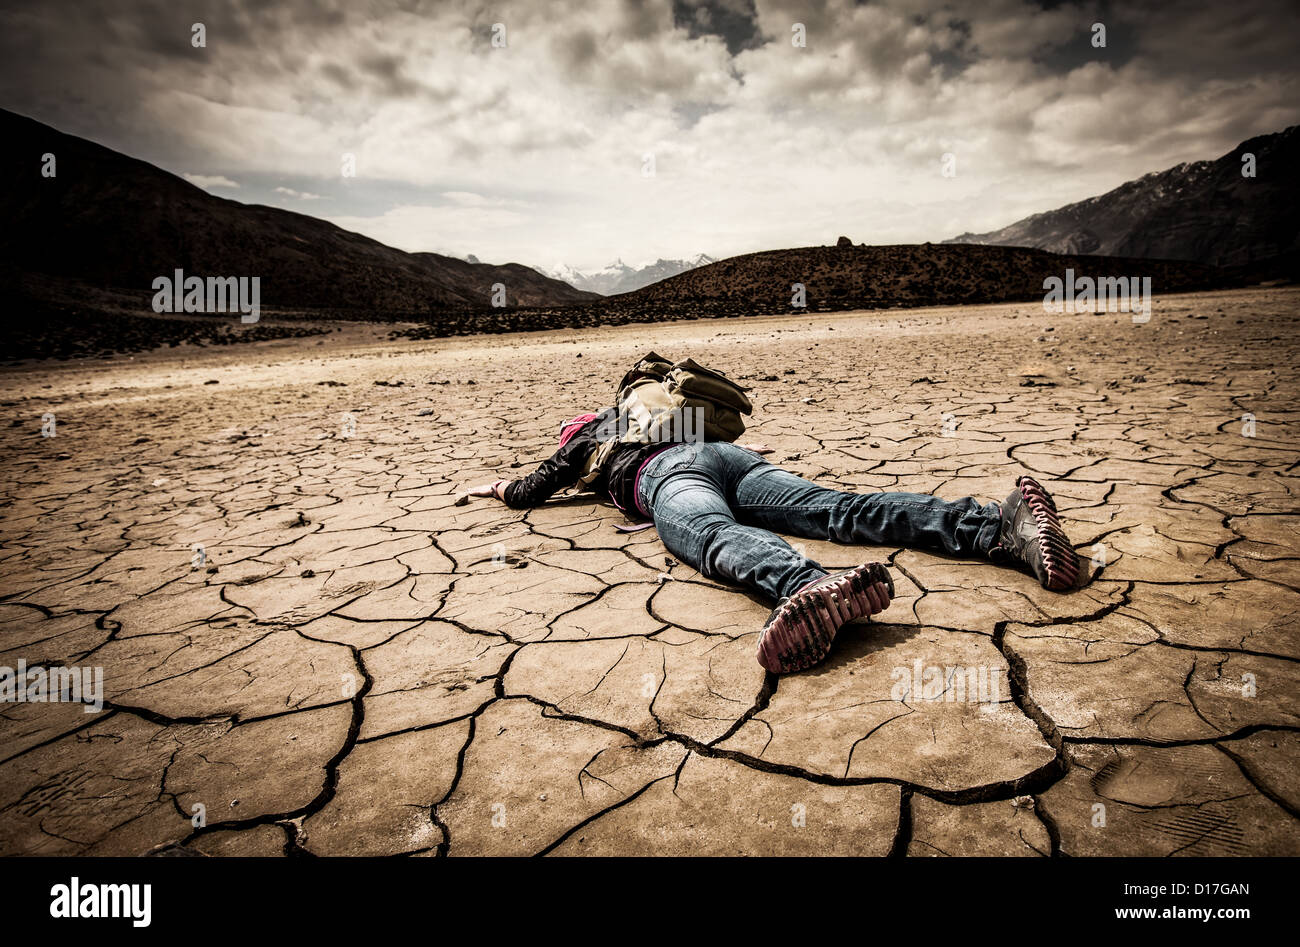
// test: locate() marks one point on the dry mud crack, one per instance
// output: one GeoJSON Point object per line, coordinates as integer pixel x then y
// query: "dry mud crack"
{"type": "Point", "coordinates": [307, 648]}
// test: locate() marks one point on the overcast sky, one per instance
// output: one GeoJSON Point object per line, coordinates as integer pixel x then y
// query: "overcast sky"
{"type": "Point", "coordinates": [535, 152]}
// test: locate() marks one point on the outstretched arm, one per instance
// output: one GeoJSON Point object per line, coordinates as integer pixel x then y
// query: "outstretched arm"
{"type": "Point", "coordinates": [482, 490]}
{"type": "Point", "coordinates": [562, 469]}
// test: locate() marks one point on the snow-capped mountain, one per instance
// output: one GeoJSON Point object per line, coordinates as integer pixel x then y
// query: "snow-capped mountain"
{"type": "Point", "coordinates": [618, 277]}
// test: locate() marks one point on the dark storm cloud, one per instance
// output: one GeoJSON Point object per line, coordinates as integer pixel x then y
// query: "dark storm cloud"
{"type": "Point", "coordinates": [339, 74]}
{"type": "Point", "coordinates": [734, 21]}
{"type": "Point", "coordinates": [957, 55]}
{"type": "Point", "coordinates": [851, 124]}
{"type": "Point", "coordinates": [388, 70]}
{"type": "Point", "coordinates": [578, 50]}
{"type": "Point", "coordinates": [1075, 46]}
{"type": "Point", "coordinates": [1217, 40]}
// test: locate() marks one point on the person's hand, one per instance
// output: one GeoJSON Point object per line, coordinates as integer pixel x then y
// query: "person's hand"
{"type": "Point", "coordinates": [757, 448]}
{"type": "Point", "coordinates": [483, 490]}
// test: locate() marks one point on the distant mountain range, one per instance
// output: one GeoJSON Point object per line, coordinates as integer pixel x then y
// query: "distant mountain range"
{"type": "Point", "coordinates": [1205, 211]}
{"type": "Point", "coordinates": [109, 221]}
{"type": "Point", "coordinates": [618, 277]}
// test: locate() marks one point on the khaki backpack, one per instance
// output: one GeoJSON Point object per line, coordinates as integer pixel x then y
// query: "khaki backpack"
{"type": "Point", "coordinates": [666, 402]}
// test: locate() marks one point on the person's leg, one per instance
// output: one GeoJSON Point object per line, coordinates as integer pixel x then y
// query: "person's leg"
{"type": "Point", "coordinates": [685, 490]}
{"type": "Point", "coordinates": [1033, 538]}
{"type": "Point", "coordinates": [776, 499]}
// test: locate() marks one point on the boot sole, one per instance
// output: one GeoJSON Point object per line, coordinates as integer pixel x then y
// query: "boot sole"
{"type": "Point", "coordinates": [1060, 561]}
{"type": "Point", "coordinates": [803, 628]}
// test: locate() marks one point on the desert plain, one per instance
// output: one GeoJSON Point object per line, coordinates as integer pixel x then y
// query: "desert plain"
{"type": "Point", "coordinates": [307, 647]}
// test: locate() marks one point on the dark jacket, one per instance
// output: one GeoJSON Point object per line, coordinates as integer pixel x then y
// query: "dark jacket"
{"type": "Point", "coordinates": [564, 467]}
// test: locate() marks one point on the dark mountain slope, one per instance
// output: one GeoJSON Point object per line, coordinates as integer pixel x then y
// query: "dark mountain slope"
{"type": "Point", "coordinates": [109, 220]}
{"type": "Point", "coordinates": [1204, 211]}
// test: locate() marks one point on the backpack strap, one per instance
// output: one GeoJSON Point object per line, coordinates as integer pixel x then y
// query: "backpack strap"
{"type": "Point", "coordinates": [652, 365]}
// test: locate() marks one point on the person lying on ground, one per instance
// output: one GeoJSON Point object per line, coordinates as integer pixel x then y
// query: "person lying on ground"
{"type": "Point", "coordinates": [718, 507]}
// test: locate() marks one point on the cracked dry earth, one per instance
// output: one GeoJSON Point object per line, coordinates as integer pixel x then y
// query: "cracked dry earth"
{"type": "Point", "coordinates": [358, 666]}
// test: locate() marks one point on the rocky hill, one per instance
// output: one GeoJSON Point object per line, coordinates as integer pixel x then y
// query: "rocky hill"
{"type": "Point", "coordinates": [862, 277]}
{"type": "Point", "coordinates": [839, 278]}
{"type": "Point", "coordinates": [1205, 211]}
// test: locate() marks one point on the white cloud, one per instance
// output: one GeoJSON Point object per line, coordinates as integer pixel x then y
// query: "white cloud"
{"type": "Point", "coordinates": [297, 195]}
{"type": "Point", "coordinates": [495, 234]}
{"type": "Point", "coordinates": [209, 181]}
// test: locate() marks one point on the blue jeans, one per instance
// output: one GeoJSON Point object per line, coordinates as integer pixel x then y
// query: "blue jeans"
{"type": "Point", "coordinates": [716, 504]}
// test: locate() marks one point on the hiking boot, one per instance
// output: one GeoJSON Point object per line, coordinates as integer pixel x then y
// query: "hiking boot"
{"type": "Point", "coordinates": [1031, 536]}
{"type": "Point", "coordinates": [802, 627]}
